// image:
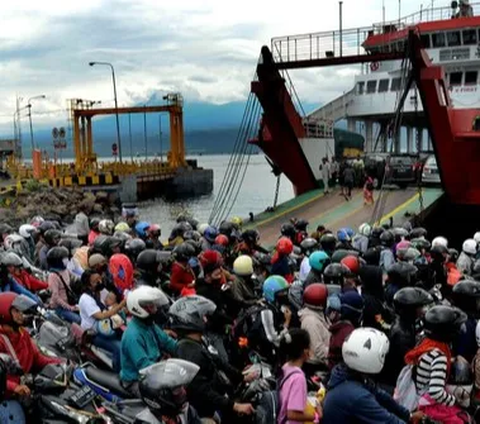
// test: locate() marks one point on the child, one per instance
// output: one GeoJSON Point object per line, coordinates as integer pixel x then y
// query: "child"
{"type": "Point", "coordinates": [119, 320]}
{"type": "Point", "coordinates": [295, 347]}
{"type": "Point", "coordinates": [368, 192]}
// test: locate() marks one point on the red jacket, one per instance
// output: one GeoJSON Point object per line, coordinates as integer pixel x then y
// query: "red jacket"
{"type": "Point", "coordinates": [30, 282]}
{"type": "Point", "coordinates": [340, 331]}
{"type": "Point", "coordinates": [29, 357]}
{"type": "Point", "coordinates": [180, 277]}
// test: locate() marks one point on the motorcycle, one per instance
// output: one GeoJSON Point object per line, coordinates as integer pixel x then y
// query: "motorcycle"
{"type": "Point", "coordinates": [55, 399]}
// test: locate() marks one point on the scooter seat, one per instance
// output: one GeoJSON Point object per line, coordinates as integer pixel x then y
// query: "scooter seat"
{"type": "Point", "coordinates": [107, 380]}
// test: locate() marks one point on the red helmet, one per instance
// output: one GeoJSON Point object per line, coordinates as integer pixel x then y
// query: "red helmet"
{"type": "Point", "coordinates": [221, 240]}
{"type": "Point", "coordinates": [352, 263]}
{"type": "Point", "coordinates": [284, 246]}
{"type": "Point", "coordinates": [315, 295]}
{"type": "Point", "coordinates": [9, 300]}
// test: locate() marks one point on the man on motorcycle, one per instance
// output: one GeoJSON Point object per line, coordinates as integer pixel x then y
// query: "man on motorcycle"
{"type": "Point", "coordinates": [352, 396]}
{"type": "Point", "coordinates": [163, 388]}
{"type": "Point", "coordinates": [182, 276]}
{"type": "Point", "coordinates": [208, 390]}
{"type": "Point", "coordinates": [16, 341]}
{"type": "Point", "coordinates": [143, 342]}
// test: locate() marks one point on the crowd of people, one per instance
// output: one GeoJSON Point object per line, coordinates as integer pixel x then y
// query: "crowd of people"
{"type": "Point", "coordinates": [380, 323]}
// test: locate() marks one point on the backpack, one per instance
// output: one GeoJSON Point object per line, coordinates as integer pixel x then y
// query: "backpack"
{"type": "Point", "coordinates": [268, 404]}
{"type": "Point", "coordinates": [248, 325]}
{"type": "Point", "coordinates": [406, 393]}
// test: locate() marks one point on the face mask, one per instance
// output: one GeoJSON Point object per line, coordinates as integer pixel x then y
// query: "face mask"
{"type": "Point", "coordinates": [65, 262]}
{"type": "Point", "coordinates": [99, 287]}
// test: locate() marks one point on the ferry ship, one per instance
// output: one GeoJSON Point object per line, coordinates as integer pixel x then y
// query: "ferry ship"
{"type": "Point", "coordinates": [428, 61]}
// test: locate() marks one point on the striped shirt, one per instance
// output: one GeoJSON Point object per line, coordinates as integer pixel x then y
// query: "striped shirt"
{"type": "Point", "coordinates": [431, 377]}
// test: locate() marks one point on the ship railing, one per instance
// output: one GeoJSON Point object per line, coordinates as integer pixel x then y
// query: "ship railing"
{"type": "Point", "coordinates": [321, 128]}
{"type": "Point", "coordinates": [349, 42]}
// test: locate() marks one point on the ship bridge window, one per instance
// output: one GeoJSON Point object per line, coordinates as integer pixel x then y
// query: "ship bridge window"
{"type": "Point", "coordinates": [371, 86]}
{"type": "Point", "coordinates": [396, 84]}
{"type": "Point", "coordinates": [453, 38]}
{"type": "Point", "coordinates": [361, 87]}
{"type": "Point", "coordinates": [455, 78]}
{"type": "Point", "coordinates": [438, 39]}
{"type": "Point", "coordinates": [469, 36]}
{"type": "Point", "coordinates": [383, 85]}
{"type": "Point", "coordinates": [471, 77]}
{"type": "Point", "coordinates": [425, 40]}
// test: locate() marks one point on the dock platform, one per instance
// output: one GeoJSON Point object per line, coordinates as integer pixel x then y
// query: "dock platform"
{"type": "Point", "coordinates": [334, 212]}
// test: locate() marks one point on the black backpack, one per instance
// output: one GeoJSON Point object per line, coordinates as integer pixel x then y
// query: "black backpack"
{"type": "Point", "coordinates": [268, 404]}
{"type": "Point", "coordinates": [248, 325]}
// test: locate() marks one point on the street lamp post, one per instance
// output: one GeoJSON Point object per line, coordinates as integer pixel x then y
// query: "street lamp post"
{"type": "Point", "coordinates": [29, 105]}
{"type": "Point", "coordinates": [160, 136]}
{"type": "Point", "coordinates": [119, 141]}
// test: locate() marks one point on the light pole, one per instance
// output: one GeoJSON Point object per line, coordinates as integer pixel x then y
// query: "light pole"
{"type": "Point", "coordinates": [130, 134]}
{"type": "Point", "coordinates": [119, 141]}
{"type": "Point", "coordinates": [145, 130]}
{"type": "Point", "coordinates": [29, 105]}
{"type": "Point", "coordinates": [160, 136]}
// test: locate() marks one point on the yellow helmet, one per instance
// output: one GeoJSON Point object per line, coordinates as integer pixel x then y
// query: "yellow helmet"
{"type": "Point", "coordinates": [236, 220]}
{"type": "Point", "coordinates": [122, 227]}
{"type": "Point", "coordinates": [243, 266]}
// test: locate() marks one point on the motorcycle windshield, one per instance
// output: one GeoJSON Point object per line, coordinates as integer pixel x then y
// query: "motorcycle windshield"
{"type": "Point", "coordinates": [169, 374]}
{"type": "Point", "coordinates": [53, 335]}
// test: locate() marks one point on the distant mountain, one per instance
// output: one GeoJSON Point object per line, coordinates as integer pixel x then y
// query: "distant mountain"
{"type": "Point", "coordinates": [209, 128]}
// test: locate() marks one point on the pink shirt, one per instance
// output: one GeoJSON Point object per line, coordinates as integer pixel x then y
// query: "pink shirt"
{"type": "Point", "coordinates": [293, 394]}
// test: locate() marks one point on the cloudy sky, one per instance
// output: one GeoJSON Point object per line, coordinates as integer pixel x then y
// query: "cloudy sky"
{"type": "Point", "coordinates": [206, 49]}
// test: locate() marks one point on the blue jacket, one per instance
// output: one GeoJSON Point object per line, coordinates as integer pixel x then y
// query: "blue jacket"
{"type": "Point", "coordinates": [351, 401]}
{"type": "Point", "coordinates": [13, 286]}
{"type": "Point", "coordinates": [143, 345]}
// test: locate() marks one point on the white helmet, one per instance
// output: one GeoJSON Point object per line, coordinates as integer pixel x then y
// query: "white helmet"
{"type": "Point", "coordinates": [12, 240]}
{"type": "Point", "coordinates": [365, 350]}
{"type": "Point", "coordinates": [26, 230]}
{"type": "Point", "coordinates": [476, 237]}
{"type": "Point", "coordinates": [106, 226]}
{"type": "Point", "coordinates": [12, 259]}
{"type": "Point", "coordinates": [440, 241]}
{"type": "Point", "coordinates": [470, 246]}
{"type": "Point", "coordinates": [243, 266]}
{"type": "Point", "coordinates": [202, 227]}
{"type": "Point", "coordinates": [365, 229]}
{"type": "Point", "coordinates": [143, 296]}
{"type": "Point", "coordinates": [37, 221]}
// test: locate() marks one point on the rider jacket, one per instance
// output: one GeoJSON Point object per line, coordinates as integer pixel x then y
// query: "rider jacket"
{"type": "Point", "coordinates": [143, 344]}
{"type": "Point", "coordinates": [25, 351]}
{"type": "Point", "coordinates": [29, 281]}
{"type": "Point", "coordinates": [208, 390]}
{"type": "Point", "coordinates": [181, 277]}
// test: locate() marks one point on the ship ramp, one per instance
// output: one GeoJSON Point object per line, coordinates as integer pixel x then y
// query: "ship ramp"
{"type": "Point", "coordinates": [335, 110]}
{"type": "Point", "coordinates": [334, 212]}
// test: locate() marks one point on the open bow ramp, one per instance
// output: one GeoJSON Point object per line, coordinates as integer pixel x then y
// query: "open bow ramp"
{"type": "Point", "coordinates": [334, 212]}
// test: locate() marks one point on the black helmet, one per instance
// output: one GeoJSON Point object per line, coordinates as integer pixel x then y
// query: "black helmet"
{"type": "Point", "coordinates": [134, 247]}
{"type": "Point", "coordinates": [110, 244]}
{"type": "Point", "coordinates": [309, 245]}
{"type": "Point", "coordinates": [444, 323]}
{"type": "Point", "coordinates": [6, 229]}
{"type": "Point", "coordinates": [184, 252]}
{"type": "Point", "coordinates": [45, 226]}
{"type": "Point", "coordinates": [179, 230]}
{"type": "Point", "coordinates": [421, 243]}
{"type": "Point", "coordinates": [148, 260]}
{"type": "Point", "coordinates": [453, 253]}
{"type": "Point", "coordinates": [402, 274]}
{"type": "Point", "coordinates": [226, 228]}
{"type": "Point", "coordinates": [162, 386]}
{"type": "Point", "coordinates": [251, 237]}
{"type": "Point", "coordinates": [339, 254]}
{"type": "Point", "coordinates": [408, 299]}
{"type": "Point", "coordinates": [52, 237]}
{"type": "Point", "coordinates": [99, 244]}
{"type": "Point", "coordinates": [377, 232]}
{"type": "Point", "coordinates": [465, 295]}
{"type": "Point", "coordinates": [288, 230]}
{"type": "Point", "coordinates": [438, 252]}
{"type": "Point", "coordinates": [192, 235]}
{"type": "Point", "coordinates": [460, 372]}
{"type": "Point", "coordinates": [328, 242]}
{"type": "Point", "coordinates": [387, 238]}
{"type": "Point", "coordinates": [188, 313]}
{"type": "Point", "coordinates": [301, 225]}
{"type": "Point", "coordinates": [335, 274]}
{"type": "Point", "coordinates": [71, 244]}
{"type": "Point", "coordinates": [418, 232]}
{"type": "Point", "coordinates": [55, 257]}
{"type": "Point", "coordinates": [94, 223]}
{"type": "Point", "coordinates": [399, 233]}
{"type": "Point", "coordinates": [372, 256]}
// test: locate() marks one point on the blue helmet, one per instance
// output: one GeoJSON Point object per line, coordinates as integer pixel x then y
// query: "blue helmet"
{"type": "Point", "coordinates": [141, 229]}
{"type": "Point", "coordinates": [210, 234]}
{"type": "Point", "coordinates": [345, 234]}
{"type": "Point", "coordinates": [319, 260]}
{"type": "Point", "coordinates": [272, 286]}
